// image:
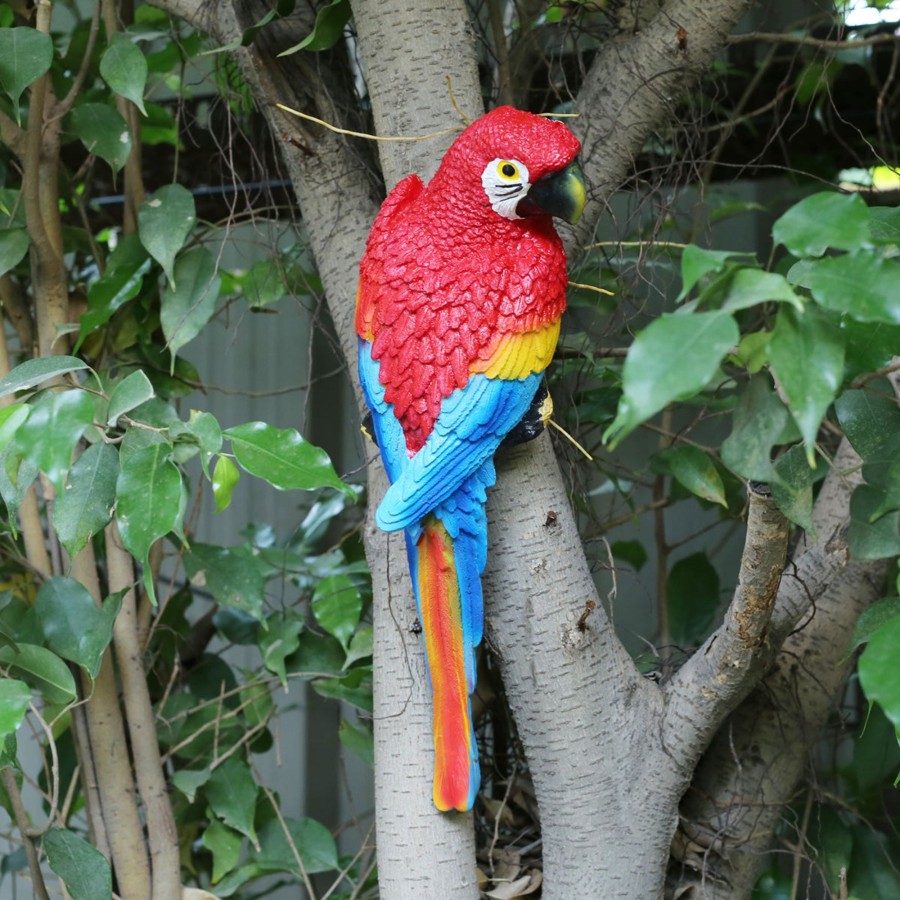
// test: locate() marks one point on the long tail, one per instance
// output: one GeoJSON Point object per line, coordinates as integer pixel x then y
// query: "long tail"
{"type": "Point", "coordinates": [446, 562]}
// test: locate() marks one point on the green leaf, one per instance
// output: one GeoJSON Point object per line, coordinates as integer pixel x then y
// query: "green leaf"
{"type": "Point", "coordinates": [833, 842]}
{"type": "Point", "coordinates": [872, 872]}
{"type": "Point", "coordinates": [233, 578]}
{"type": "Point", "coordinates": [225, 478]}
{"type": "Point", "coordinates": [673, 358]}
{"type": "Point", "coordinates": [103, 132]}
{"type": "Point", "coordinates": [14, 244]}
{"type": "Point", "coordinates": [355, 688]}
{"type": "Point", "coordinates": [759, 423]}
{"type": "Point", "coordinates": [231, 793]}
{"type": "Point", "coordinates": [807, 357]}
{"type": "Point", "coordinates": [868, 537]}
{"type": "Point", "coordinates": [189, 306]}
{"type": "Point", "coordinates": [14, 698]}
{"type": "Point", "coordinates": [313, 841]}
{"type": "Point", "coordinates": [879, 673]}
{"type": "Point", "coordinates": [85, 506]}
{"type": "Point", "coordinates": [25, 55]}
{"type": "Point", "coordinates": [124, 69]}
{"type": "Point", "coordinates": [885, 224]}
{"type": "Point", "coordinates": [74, 627]}
{"type": "Point", "coordinates": [828, 219]}
{"type": "Point", "coordinates": [358, 739]}
{"type": "Point", "coordinates": [631, 552]}
{"type": "Point", "coordinates": [330, 22]}
{"type": "Point", "coordinates": [189, 781]}
{"type": "Point", "coordinates": [792, 489]}
{"type": "Point", "coordinates": [42, 669]}
{"type": "Point", "coordinates": [49, 435]}
{"type": "Point", "coordinates": [165, 220]}
{"type": "Point", "coordinates": [750, 287]}
{"type": "Point", "coordinates": [83, 868]}
{"type": "Point", "coordinates": [121, 282]}
{"type": "Point", "coordinates": [33, 372]}
{"type": "Point", "coordinates": [869, 419]}
{"type": "Point", "coordinates": [278, 642]}
{"type": "Point", "coordinates": [337, 606]}
{"type": "Point", "coordinates": [128, 394]}
{"type": "Point", "coordinates": [872, 618]}
{"type": "Point", "coordinates": [862, 285]}
{"type": "Point", "coordinates": [225, 846]}
{"type": "Point", "coordinates": [697, 262]}
{"type": "Point", "coordinates": [693, 600]}
{"type": "Point", "coordinates": [263, 284]}
{"type": "Point", "coordinates": [11, 419]}
{"type": "Point", "coordinates": [283, 458]}
{"type": "Point", "coordinates": [694, 469]}
{"type": "Point", "coordinates": [151, 501]}
{"type": "Point", "coordinates": [360, 646]}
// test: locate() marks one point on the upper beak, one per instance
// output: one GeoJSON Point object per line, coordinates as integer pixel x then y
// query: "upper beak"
{"type": "Point", "coordinates": [560, 194]}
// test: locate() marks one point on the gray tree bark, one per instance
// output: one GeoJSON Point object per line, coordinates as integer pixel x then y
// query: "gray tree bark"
{"type": "Point", "coordinates": [612, 754]}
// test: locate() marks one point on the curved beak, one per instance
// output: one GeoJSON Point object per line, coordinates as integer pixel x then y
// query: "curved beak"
{"type": "Point", "coordinates": [561, 194]}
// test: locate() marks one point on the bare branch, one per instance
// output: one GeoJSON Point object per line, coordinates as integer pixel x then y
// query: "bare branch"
{"type": "Point", "coordinates": [721, 672]}
{"type": "Point", "coordinates": [21, 817]}
{"type": "Point", "coordinates": [802, 40]}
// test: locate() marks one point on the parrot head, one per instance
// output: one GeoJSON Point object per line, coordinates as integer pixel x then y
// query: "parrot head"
{"type": "Point", "coordinates": [516, 165]}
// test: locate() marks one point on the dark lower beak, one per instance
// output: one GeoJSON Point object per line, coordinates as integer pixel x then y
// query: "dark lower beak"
{"type": "Point", "coordinates": [561, 194]}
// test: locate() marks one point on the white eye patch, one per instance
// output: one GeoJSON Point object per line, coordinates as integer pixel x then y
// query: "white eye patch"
{"type": "Point", "coordinates": [506, 183]}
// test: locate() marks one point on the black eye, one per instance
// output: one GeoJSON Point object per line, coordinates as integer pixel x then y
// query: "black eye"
{"type": "Point", "coordinates": [508, 169]}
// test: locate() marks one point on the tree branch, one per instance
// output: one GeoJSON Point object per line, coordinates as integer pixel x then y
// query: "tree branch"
{"type": "Point", "coordinates": [21, 817]}
{"type": "Point", "coordinates": [719, 674]}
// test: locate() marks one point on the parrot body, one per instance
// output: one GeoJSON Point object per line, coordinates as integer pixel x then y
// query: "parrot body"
{"type": "Point", "coordinates": [461, 291]}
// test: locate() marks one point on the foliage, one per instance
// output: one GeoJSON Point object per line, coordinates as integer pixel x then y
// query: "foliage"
{"type": "Point", "coordinates": [99, 441]}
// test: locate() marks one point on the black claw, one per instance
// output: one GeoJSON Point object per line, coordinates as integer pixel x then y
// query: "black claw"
{"type": "Point", "coordinates": [532, 423]}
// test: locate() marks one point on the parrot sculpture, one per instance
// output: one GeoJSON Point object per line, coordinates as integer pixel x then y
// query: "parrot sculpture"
{"type": "Point", "coordinates": [461, 289]}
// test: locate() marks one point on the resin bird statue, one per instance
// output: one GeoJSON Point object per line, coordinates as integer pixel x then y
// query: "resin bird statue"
{"type": "Point", "coordinates": [462, 286]}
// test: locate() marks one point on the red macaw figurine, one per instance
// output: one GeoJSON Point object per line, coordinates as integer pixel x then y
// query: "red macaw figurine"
{"type": "Point", "coordinates": [461, 290]}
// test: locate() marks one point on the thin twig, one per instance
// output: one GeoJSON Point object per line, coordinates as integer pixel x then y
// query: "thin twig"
{"type": "Point", "coordinates": [362, 134]}
{"type": "Point", "coordinates": [21, 817]}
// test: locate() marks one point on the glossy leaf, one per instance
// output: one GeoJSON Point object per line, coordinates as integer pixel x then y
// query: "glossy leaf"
{"type": "Point", "coordinates": [827, 219]}
{"type": "Point", "coordinates": [355, 688]}
{"type": "Point", "coordinates": [879, 673]}
{"type": "Point", "coordinates": [25, 55]}
{"type": "Point", "coordinates": [85, 506]}
{"type": "Point", "coordinates": [358, 739]}
{"type": "Point", "coordinates": [313, 841]}
{"type": "Point", "coordinates": [759, 422]}
{"type": "Point", "coordinates": [337, 605]}
{"type": "Point", "coordinates": [49, 435]}
{"type": "Point", "coordinates": [151, 500]}
{"type": "Point", "coordinates": [278, 642]}
{"type": "Point", "coordinates": [83, 868]}
{"type": "Point", "coordinates": [234, 579]}
{"type": "Point", "coordinates": [225, 478]}
{"type": "Point", "coordinates": [807, 356]}
{"type": "Point", "coordinates": [750, 287]}
{"type": "Point", "coordinates": [869, 420]}
{"type": "Point", "coordinates": [103, 132]}
{"type": "Point", "coordinates": [33, 372]}
{"type": "Point", "coordinates": [871, 536]}
{"type": "Point", "coordinates": [697, 262]}
{"type": "Point", "coordinates": [165, 220]}
{"type": "Point", "coordinates": [231, 793]}
{"type": "Point", "coordinates": [128, 394]}
{"type": "Point", "coordinates": [872, 618]}
{"type": "Point", "coordinates": [189, 306]}
{"type": "Point", "coordinates": [74, 627]}
{"type": "Point", "coordinates": [189, 781]}
{"type": "Point", "coordinates": [124, 69]}
{"type": "Point", "coordinates": [11, 419]}
{"type": "Point", "coordinates": [693, 600]}
{"type": "Point", "coordinates": [673, 358]}
{"type": "Point", "coordinates": [225, 847]}
{"type": "Point", "coordinates": [42, 669]}
{"type": "Point", "coordinates": [792, 490]}
{"type": "Point", "coordinates": [862, 285]}
{"type": "Point", "coordinates": [281, 457]}
{"type": "Point", "coordinates": [14, 698]}
{"type": "Point", "coordinates": [360, 646]}
{"type": "Point", "coordinates": [14, 244]}
{"type": "Point", "coordinates": [330, 22]}
{"type": "Point", "coordinates": [694, 469]}
{"type": "Point", "coordinates": [121, 282]}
